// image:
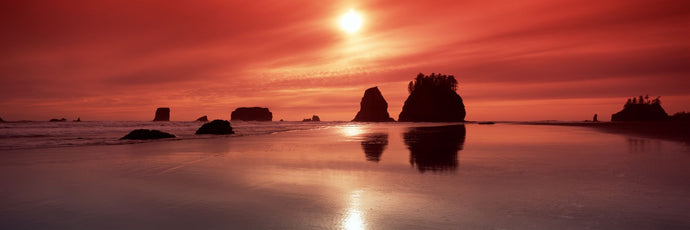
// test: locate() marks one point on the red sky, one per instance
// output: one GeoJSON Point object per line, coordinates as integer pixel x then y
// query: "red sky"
{"type": "Point", "coordinates": [514, 60]}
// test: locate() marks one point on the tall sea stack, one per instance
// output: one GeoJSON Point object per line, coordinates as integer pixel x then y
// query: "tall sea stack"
{"type": "Point", "coordinates": [162, 114]}
{"type": "Point", "coordinates": [251, 114]}
{"type": "Point", "coordinates": [373, 107]}
{"type": "Point", "coordinates": [433, 99]}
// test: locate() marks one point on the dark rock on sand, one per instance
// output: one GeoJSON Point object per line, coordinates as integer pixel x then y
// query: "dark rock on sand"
{"type": "Point", "coordinates": [373, 107]}
{"type": "Point", "coordinates": [433, 99]}
{"type": "Point", "coordinates": [162, 114]}
{"type": "Point", "coordinates": [217, 127]}
{"type": "Point", "coordinates": [204, 118]}
{"type": "Point", "coordinates": [313, 118]}
{"type": "Point", "coordinates": [146, 134]}
{"type": "Point", "coordinates": [1, 120]}
{"type": "Point", "coordinates": [641, 109]}
{"type": "Point", "coordinates": [251, 114]}
{"type": "Point", "coordinates": [435, 148]}
{"type": "Point", "coordinates": [58, 120]}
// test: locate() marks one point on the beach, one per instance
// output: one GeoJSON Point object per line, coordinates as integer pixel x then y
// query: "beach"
{"type": "Point", "coordinates": [356, 176]}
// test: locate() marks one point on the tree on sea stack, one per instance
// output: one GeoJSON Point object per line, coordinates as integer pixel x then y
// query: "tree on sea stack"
{"type": "Point", "coordinates": [433, 99]}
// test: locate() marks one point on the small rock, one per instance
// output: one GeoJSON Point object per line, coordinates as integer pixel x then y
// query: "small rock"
{"type": "Point", "coordinates": [217, 127]}
{"type": "Point", "coordinates": [146, 134]}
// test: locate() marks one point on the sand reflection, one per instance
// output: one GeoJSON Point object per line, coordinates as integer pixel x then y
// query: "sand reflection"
{"type": "Point", "coordinates": [373, 145]}
{"type": "Point", "coordinates": [353, 218]}
{"type": "Point", "coordinates": [435, 148]}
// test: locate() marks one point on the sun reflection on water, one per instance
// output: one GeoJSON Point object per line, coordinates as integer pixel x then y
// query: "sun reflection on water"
{"type": "Point", "coordinates": [351, 131]}
{"type": "Point", "coordinates": [353, 216]}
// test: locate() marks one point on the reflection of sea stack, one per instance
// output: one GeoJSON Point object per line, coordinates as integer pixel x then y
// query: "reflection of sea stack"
{"type": "Point", "coordinates": [162, 114]}
{"type": "Point", "coordinates": [641, 109]}
{"type": "Point", "coordinates": [433, 99]}
{"type": "Point", "coordinates": [204, 118]}
{"type": "Point", "coordinates": [373, 107]}
{"type": "Point", "coordinates": [435, 148]}
{"type": "Point", "coordinates": [373, 146]}
{"type": "Point", "coordinates": [251, 114]}
{"type": "Point", "coordinates": [58, 120]}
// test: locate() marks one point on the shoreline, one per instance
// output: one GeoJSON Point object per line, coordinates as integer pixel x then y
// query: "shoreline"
{"type": "Point", "coordinates": [665, 130]}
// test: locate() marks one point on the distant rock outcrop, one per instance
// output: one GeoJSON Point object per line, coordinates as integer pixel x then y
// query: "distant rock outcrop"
{"type": "Point", "coordinates": [433, 99]}
{"type": "Point", "coordinates": [146, 134]}
{"type": "Point", "coordinates": [216, 127]}
{"type": "Point", "coordinates": [373, 107]}
{"type": "Point", "coordinates": [641, 109]}
{"type": "Point", "coordinates": [1, 120]}
{"type": "Point", "coordinates": [58, 120]}
{"type": "Point", "coordinates": [77, 120]}
{"type": "Point", "coordinates": [313, 118]}
{"type": "Point", "coordinates": [251, 114]}
{"type": "Point", "coordinates": [204, 118]}
{"type": "Point", "coordinates": [162, 114]}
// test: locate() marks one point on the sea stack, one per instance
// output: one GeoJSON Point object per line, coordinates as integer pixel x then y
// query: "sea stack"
{"type": "Point", "coordinates": [313, 118]}
{"type": "Point", "coordinates": [433, 99]}
{"type": "Point", "coordinates": [204, 118]}
{"type": "Point", "coordinates": [373, 107]}
{"type": "Point", "coordinates": [251, 114]}
{"type": "Point", "coordinates": [641, 109]}
{"type": "Point", "coordinates": [162, 114]}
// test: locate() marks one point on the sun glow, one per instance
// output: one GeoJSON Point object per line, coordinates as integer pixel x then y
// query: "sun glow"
{"type": "Point", "coordinates": [351, 22]}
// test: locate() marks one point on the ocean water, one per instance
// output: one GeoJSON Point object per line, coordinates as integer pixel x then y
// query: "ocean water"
{"type": "Point", "coordinates": [39, 134]}
{"type": "Point", "coordinates": [353, 176]}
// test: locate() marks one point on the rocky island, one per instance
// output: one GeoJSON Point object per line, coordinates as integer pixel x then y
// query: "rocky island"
{"type": "Point", "coordinates": [433, 99]}
{"type": "Point", "coordinates": [641, 109]}
{"type": "Point", "coordinates": [373, 107]}
{"type": "Point", "coordinates": [251, 114]}
{"type": "Point", "coordinates": [162, 114]}
{"type": "Point", "coordinates": [204, 118]}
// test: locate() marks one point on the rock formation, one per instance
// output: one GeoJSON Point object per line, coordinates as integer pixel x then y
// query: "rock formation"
{"type": "Point", "coordinates": [373, 107]}
{"type": "Point", "coordinates": [435, 148]}
{"type": "Point", "coordinates": [217, 127]}
{"type": "Point", "coordinates": [251, 114]}
{"type": "Point", "coordinates": [641, 109]}
{"type": "Point", "coordinates": [77, 120]}
{"type": "Point", "coordinates": [146, 134]}
{"type": "Point", "coordinates": [204, 119]}
{"type": "Point", "coordinates": [313, 118]}
{"type": "Point", "coordinates": [1, 120]}
{"type": "Point", "coordinates": [58, 120]}
{"type": "Point", "coordinates": [162, 114]}
{"type": "Point", "coordinates": [433, 99]}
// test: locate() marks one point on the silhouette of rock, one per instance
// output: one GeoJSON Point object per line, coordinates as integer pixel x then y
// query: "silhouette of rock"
{"type": "Point", "coordinates": [1, 120]}
{"type": "Point", "coordinates": [595, 118]}
{"type": "Point", "coordinates": [204, 118]}
{"type": "Point", "coordinates": [680, 116]}
{"type": "Point", "coordinates": [641, 110]}
{"type": "Point", "coordinates": [313, 118]}
{"type": "Point", "coordinates": [217, 127]}
{"type": "Point", "coordinates": [146, 134]}
{"type": "Point", "coordinates": [162, 114]}
{"type": "Point", "coordinates": [373, 145]}
{"type": "Point", "coordinates": [58, 120]}
{"type": "Point", "coordinates": [251, 114]}
{"type": "Point", "coordinates": [373, 107]}
{"type": "Point", "coordinates": [433, 99]}
{"type": "Point", "coordinates": [77, 120]}
{"type": "Point", "coordinates": [435, 148]}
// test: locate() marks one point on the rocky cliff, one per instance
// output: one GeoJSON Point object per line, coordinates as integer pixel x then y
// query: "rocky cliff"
{"type": "Point", "coordinates": [373, 107]}
{"type": "Point", "coordinates": [641, 110]}
{"type": "Point", "coordinates": [433, 99]}
{"type": "Point", "coordinates": [162, 114]}
{"type": "Point", "coordinates": [251, 114]}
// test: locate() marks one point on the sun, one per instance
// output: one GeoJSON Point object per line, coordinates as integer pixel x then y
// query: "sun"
{"type": "Point", "coordinates": [351, 22]}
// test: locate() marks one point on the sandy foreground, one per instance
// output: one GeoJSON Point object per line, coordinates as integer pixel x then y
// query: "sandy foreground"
{"type": "Point", "coordinates": [356, 176]}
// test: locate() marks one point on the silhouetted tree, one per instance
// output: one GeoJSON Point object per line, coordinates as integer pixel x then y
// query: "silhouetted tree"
{"type": "Point", "coordinates": [433, 82]}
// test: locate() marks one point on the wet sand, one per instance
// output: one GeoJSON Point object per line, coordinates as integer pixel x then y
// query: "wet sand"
{"type": "Point", "coordinates": [356, 176]}
{"type": "Point", "coordinates": [673, 131]}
